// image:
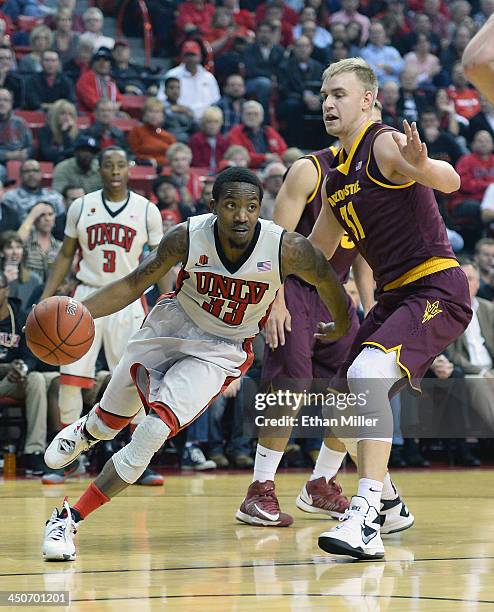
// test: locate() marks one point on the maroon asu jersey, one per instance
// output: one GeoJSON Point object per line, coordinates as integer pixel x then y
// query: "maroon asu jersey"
{"type": "Point", "coordinates": [423, 302]}
{"type": "Point", "coordinates": [302, 359]}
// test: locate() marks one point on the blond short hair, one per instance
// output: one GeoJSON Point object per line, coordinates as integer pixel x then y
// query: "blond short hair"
{"type": "Point", "coordinates": [359, 67]}
{"type": "Point", "coordinates": [236, 150]}
{"type": "Point", "coordinates": [212, 112]}
{"type": "Point", "coordinates": [178, 147]}
{"type": "Point", "coordinates": [152, 104]}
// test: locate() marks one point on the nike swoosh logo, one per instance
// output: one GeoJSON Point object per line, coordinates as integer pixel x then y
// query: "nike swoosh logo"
{"type": "Point", "coordinates": [262, 455]}
{"type": "Point", "coordinates": [374, 490]}
{"type": "Point", "coordinates": [270, 517]}
{"type": "Point", "coordinates": [368, 534]}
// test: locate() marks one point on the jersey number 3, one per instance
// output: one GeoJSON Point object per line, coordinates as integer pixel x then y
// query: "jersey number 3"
{"type": "Point", "coordinates": [109, 261]}
{"type": "Point", "coordinates": [349, 216]}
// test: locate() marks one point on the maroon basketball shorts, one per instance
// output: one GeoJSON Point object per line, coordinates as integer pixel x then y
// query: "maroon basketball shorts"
{"type": "Point", "coordinates": [418, 321]}
{"type": "Point", "coordinates": [303, 359]}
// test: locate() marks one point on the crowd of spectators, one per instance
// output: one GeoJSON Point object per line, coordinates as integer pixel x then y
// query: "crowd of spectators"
{"type": "Point", "coordinates": [240, 87]}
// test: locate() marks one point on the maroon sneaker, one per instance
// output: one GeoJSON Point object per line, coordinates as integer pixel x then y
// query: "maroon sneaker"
{"type": "Point", "coordinates": [322, 497]}
{"type": "Point", "coordinates": [261, 508]}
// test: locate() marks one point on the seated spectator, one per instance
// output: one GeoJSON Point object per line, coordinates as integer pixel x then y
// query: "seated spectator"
{"type": "Point", "coordinates": [449, 120]}
{"type": "Point", "coordinates": [198, 87]}
{"type": "Point", "coordinates": [466, 99]}
{"type": "Point", "coordinates": [40, 244]}
{"type": "Point", "coordinates": [30, 192]}
{"type": "Point", "coordinates": [187, 183]}
{"type": "Point", "coordinates": [41, 39]}
{"type": "Point", "coordinates": [290, 156]}
{"type": "Point", "coordinates": [242, 16]}
{"type": "Point", "coordinates": [453, 54]}
{"type": "Point", "coordinates": [149, 141]}
{"type": "Point", "coordinates": [384, 59]}
{"type": "Point", "coordinates": [322, 39]}
{"type": "Point", "coordinates": [16, 140]}
{"type": "Point", "coordinates": [353, 38]}
{"type": "Point", "coordinates": [412, 99]}
{"type": "Point", "coordinates": [284, 29]}
{"type": "Point", "coordinates": [127, 75]}
{"type": "Point", "coordinates": [208, 145]}
{"type": "Point", "coordinates": [236, 155]}
{"type": "Point", "coordinates": [484, 258]}
{"type": "Point", "coordinates": [476, 171]}
{"type": "Point", "coordinates": [473, 351]}
{"type": "Point", "coordinates": [349, 12]}
{"type": "Point", "coordinates": [19, 379]}
{"type": "Point", "coordinates": [300, 78]}
{"type": "Point", "coordinates": [103, 131]}
{"type": "Point", "coordinates": [194, 18]}
{"type": "Point", "coordinates": [389, 94]}
{"type": "Point", "coordinates": [224, 30]}
{"type": "Point", "coordinates": [262, 60]}
{"type": "Point", "coordinates": [69, 5]}
{"type": "Point", "coordinates": [264, 143]}
{"type": "Point", "coordinates": [203, 204]}
{"type": "Point", "coordinates": [97, 82]}
{"type": "Point", "coordinates": [9, 218]}
{"type": "Point", "coordinates": [287, 13]}
{"type": "Point", "coordinates": [65, 40]}
{"type": "Point", "coordinates": [440, 143]}
{"type": "Point", "coordinates": [179, 119]}
{"type": "Point", "coordinates": [319, 54]}
{"type": "Point", "coordinates": [75, 67]}
{"type": "Point", "coordinates": [93, 23]}
{"type": "Point", "coordinates": [23, 284]}
{"type": "Point", "coordinates": [82, 168]}
{"type": "Point", "coordinates": [232, 101]}
{"type": "Point", "coordinates": [232, 61]}
{"type": "Point", "coordinates": [57, 136]}
{"type": "Point", "coordinates": [422, 60]}
{"type": "Point", "coordinates": [167, 200]}
{"type": "Point", "coordinates": [421, 25]}
{"type": "Point", "coordinates": [483, 120]}
{"type": "Point", "coordinates": [48, 86]}
{"type": "Point", "coordinates": [272, 179]}
{"type": "Point", "coordinates": [340, 50]}
{"type": "Point", "coordinates": [9, 79]}
{"type": "Point", "coordinates": [70, 193]}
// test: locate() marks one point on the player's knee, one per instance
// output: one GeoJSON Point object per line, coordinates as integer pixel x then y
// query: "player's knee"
{"type": "Point", "coordinates": [131, 461]}
{"type": "Point", "coordinates": [373, 363]}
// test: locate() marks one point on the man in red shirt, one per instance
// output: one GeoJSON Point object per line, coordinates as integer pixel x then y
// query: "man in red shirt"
{"type": "Point", "coordinates": [97, 82]}
{"type": "Point", "coordinates": [263, 142]}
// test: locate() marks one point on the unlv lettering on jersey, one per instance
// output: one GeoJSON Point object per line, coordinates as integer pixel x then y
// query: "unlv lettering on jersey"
{"type": "Point", "coordinates": [110, 233]}
{"type": "Point", "coordinates": [236, 293]}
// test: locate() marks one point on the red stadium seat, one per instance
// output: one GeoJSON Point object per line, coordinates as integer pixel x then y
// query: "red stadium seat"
{"type": "Point", "coordinates": [125, 124]}
{"type": "Point", "coordinates": [141, 178]}
{"type": "Point", "coordinates": [21, 50]}
{"type": "Point", "coordinates": [83, 122]}
{"type": "Point", "coordinates": [133, 105]}
{"type": "Point", "coordinates": [35, 120]}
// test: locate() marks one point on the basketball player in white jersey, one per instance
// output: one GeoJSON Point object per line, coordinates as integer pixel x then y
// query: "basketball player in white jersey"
{"type": "Point", "coordinates": [110, 228]}
{"type": "Point", "coordinates": [194, 343]}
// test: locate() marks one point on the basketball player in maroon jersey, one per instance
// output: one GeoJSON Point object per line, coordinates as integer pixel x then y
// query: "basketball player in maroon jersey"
{"type": "Point", "coordinates": [293, 357]}
{"type": "Point", "coordinates": [478, 60]}
{"type": "Point", "coordinates": [379, 190]}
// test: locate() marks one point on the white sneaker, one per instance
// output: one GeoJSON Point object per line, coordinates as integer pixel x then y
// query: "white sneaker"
{"type": "Point", "coordinates": [60, 530]}
{"type": "Point", "coordinates": [395, 516]}
{"type": "Point", "coordinates": [358, 533]}
{"type": "Point", "coordinates": [68, 444]}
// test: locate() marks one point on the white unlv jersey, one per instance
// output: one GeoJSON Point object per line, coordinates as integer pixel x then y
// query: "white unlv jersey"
{"type": "Point", "coordinates": [111, 239]}
{"type": "Point", "coordinates": [229, 299]}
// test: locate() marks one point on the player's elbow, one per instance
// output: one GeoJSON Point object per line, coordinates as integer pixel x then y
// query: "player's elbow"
{"type": "Point", "coordinates": [452, 182]}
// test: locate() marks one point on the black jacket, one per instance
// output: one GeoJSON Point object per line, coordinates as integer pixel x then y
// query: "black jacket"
{"type": "Point", "coordinates": [38, 91]}
{"type": "Point", "coordinates": [50, 151]}
{"type": "Point", "coordinates": [294, 81]}
{"type": "Point", "coordinates": [12, 341]}
{"type": "Point", "coordinates": [479, 122]}
{"type": "Point", "coordinates": [16, 86]}
{"type": "Point", "coordinates": [256, 65]}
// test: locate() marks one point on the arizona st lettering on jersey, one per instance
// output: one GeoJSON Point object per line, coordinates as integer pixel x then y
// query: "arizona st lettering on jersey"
{"type": "Point", "coordinates": [397, 228]}
{"type": "Point", "coordinates": [111, 241]}
{"type": "Point", "coordinates": [230, 300]}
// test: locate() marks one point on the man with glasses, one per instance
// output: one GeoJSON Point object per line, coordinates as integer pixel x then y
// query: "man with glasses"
{"type": "Point", "coordinates": [8, 79]}
{"type": "Point", "coordinates": [30, 191]}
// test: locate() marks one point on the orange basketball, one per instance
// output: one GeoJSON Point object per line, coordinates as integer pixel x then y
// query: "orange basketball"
{"type": "Point", "coordinates": [59, 330]}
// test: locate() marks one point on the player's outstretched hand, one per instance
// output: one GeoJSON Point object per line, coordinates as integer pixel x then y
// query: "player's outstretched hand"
{"type": "Point", "coordinates": [414, 151]}
{"type": "Point", "coordinates": [328, 332]}
{"type": "Point", "coordinates": [279, 321]}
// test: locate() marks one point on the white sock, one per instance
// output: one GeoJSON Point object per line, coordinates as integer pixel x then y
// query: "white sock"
{"type": "Point", "coordinates": [371, 490]}
{"type": "Point", "coordinates": [328, 463]}
{"type": "Point", "coordinates": [70, 402]}
{"type": "Point", "coordinates": [389, 490]}
{"type": "Point", "coordinates": [266, 463]}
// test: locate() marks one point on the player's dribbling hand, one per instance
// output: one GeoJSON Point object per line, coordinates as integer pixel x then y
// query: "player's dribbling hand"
{"type": "Point", "coordinates": [414, 151]}
{"type": "Point", "coordinates": [279, 321]}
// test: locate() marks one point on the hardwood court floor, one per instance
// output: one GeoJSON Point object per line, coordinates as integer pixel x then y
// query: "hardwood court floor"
{"type": "Point", "coordinates": [179, 548]}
